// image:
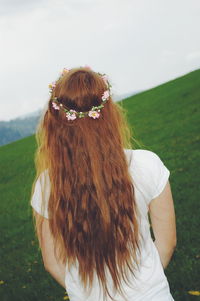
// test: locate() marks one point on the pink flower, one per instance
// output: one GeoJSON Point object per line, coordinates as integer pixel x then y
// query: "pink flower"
{"type": "Point", "coordinates": [55, 106]}
{"type": "Point", "coordinates": [72, 115]}
{"type": "Point", "coordinates": [88, 67]}
{"type": "Point", "coordinates": [65, 70]}
{"type": "Point", "coordinates": [93, 114]}
{"type": "Point", "coordinates": [106, 95]}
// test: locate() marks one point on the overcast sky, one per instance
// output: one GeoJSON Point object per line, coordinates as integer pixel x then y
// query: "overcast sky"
{"type": "Point", "coordinates": [138, 44]}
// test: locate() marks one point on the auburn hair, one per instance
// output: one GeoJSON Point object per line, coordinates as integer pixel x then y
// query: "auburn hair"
{"type": "Point", "coordinates": [92, 212]}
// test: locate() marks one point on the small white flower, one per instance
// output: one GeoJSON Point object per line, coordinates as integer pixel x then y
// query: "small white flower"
{"type": "Point", "coordinates": [52, 86]}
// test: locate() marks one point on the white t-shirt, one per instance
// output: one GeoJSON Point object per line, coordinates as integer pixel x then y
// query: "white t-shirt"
{"type": "Point", "coordinates": [149, 176]}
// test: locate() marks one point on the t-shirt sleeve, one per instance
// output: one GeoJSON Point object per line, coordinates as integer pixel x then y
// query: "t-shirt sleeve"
{"type": "Point", "coordinates": [40, 197]}
{"type": "Point", "coordinates": [159, 174]}
{"type": "Point", "coordinates": [150, 174]}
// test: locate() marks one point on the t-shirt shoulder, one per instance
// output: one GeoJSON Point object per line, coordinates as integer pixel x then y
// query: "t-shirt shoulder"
{"type": "Point", "coordinates": [147, 169]}
{"type": "Point", "coordinates": [40, 197]}
{"type": "Point", "coordinates": [150, 171]}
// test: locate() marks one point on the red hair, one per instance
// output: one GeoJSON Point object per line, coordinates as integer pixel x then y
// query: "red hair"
{"type": "Point", "coordinates": [92, 210]}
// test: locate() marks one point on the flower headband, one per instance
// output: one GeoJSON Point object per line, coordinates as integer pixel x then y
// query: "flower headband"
{"type": "Point", "coordinates": [94, 112]}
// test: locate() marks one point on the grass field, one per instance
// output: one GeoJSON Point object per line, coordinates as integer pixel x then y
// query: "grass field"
{"type": "Point", "coordinates": [165, 120]}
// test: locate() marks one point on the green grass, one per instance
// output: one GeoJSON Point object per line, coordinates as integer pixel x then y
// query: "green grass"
{"type": "Point", "coordinates": [165, 120]}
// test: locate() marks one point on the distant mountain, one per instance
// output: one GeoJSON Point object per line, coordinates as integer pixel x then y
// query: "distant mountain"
{"type": "Point", "coordinates": [18, 128]}
{"type": "Point", "coordinates": [32, 114]}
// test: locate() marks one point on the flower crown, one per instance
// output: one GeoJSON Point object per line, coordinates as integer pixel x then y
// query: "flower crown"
{"type": "Point", "coordinates": [94, 112]}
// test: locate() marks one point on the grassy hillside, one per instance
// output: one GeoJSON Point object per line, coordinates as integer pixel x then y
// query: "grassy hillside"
{"type": "Point", "coordinates": [166, 120]}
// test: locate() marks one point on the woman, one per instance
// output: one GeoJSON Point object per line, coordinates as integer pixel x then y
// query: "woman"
{"type": "Point", "coordinates": [92, 194]}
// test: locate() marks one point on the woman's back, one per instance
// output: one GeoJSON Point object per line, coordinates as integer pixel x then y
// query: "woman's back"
{"type": "Point", "coordinates": [150, 177]}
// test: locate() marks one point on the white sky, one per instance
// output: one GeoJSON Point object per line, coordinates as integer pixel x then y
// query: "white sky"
{"type": "Point", "coordinates": [137, 43]}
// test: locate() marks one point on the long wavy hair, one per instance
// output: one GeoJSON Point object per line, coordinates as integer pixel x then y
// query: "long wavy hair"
{"type": "Point", "coordinates": [92, 211]}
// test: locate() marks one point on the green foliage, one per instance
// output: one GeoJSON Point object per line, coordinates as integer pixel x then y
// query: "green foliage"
{"type": "Point", "coordinates": [165, 120]}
